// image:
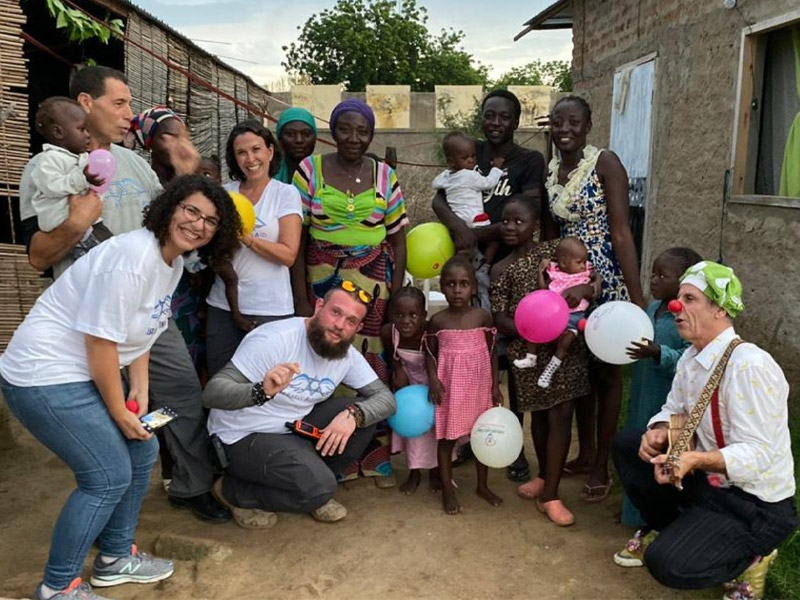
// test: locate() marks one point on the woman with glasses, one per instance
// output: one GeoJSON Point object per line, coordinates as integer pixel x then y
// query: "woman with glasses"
{"type": "Point", "coordinates": [60, 376]}
{"type": "Point", "coordinates": [354, 217]}
{"type": "Point", "coordinates": [262, 263]}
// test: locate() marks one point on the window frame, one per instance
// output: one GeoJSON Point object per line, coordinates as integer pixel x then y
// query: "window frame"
{"type": "Point", "coordinates": [747, 116]}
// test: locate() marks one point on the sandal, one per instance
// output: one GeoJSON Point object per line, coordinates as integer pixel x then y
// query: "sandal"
{"type": "Point", "coordinates": [532, 489]}
{"type": "Point", "coordinates": [556, 512]}
{"type": "Point", "coordinates": [596, 493]}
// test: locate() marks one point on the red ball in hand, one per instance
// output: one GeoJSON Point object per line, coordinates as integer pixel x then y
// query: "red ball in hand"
{"type": "Point", "coordinates": [674, 306]}
{"type": "Point", "coordinates": [132, 405]}
{"type": "Point", "coordinates": [582, 325]}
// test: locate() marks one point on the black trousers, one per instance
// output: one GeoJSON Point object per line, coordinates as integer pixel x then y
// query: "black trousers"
{"type": "Point", "coordinates": [284, 472]}
{"type": "Point", "coordinates": [707, 535]}
{"type": "Point", "coordinates": [174, 383]}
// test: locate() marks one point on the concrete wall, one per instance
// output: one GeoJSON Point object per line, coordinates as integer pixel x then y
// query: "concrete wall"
{"type": "Point", "coordinates": [698, 45]}
{"type": "Point", "coordinates": [418, 144]}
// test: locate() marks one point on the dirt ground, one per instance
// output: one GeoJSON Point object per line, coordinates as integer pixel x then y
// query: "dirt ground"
{"type": "Point", "coordinates": [389, 546]}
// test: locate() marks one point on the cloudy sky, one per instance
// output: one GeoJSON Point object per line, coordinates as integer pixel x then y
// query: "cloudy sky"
{"type": "Point", "coordinates": [255, 30]}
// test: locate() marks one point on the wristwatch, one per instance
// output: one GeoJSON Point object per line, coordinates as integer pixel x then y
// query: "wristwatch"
{"type": "Point", "coordinates": [258, 395]}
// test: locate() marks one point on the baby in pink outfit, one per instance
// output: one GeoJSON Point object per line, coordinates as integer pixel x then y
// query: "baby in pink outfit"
{"type": "Point", "coordinates": [570, 268]}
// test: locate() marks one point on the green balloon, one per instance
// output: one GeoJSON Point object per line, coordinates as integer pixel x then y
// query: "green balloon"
{"type": "Point", "coordinates": [428, 247]}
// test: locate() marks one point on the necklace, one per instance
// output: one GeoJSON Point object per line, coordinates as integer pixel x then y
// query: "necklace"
{"type": "Point", "coordinates": [349, 174]}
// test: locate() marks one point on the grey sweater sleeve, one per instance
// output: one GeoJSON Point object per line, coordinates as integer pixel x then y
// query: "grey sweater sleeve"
{"type": "Point", "coordinates": [228, 390]}
{"type": "Point", "coordinates": [376, 401]}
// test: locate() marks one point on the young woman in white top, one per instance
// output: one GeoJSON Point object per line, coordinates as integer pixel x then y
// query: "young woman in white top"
{"type": "Point", "coordinates": [262, 263]}
{"type": "Point", "coordinates": [61, 378]}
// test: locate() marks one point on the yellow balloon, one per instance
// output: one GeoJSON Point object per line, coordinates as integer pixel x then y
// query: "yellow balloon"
{"type": "Point", "coordinates": [428, 247]}
{"type": "Point", "coordinates": [245, 209]}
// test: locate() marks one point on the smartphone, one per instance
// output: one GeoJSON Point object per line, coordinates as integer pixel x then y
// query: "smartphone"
{"type": "Point", "coordinates": [304, 429]}
{"type": "Point", "coordinates": [158, 418]}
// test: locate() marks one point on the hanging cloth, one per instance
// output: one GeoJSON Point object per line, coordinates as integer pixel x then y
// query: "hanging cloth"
{"type": "Point", "coordinates": [790, 170]}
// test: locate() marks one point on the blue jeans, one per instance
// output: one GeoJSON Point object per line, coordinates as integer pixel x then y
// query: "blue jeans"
{"type": "Point", "coordinates": [112, 472]}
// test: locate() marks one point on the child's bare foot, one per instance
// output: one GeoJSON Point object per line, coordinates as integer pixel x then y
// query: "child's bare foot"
{"type": "Point", "coordinates": [412, 483]}
{"type": "Point", "coordinates": [489, 496]}
{"type": "Point", "coordinates": [434, 480]}
{"type": "Point", "coordinates": [450, 502]}
{"type": "Point", "coordinates": [243, 324]}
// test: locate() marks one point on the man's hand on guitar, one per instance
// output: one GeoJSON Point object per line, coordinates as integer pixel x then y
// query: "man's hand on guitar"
{"type": "Point", "coordinates": [667, 473]}
{"type": "Point", "coordinates": [654, 441]}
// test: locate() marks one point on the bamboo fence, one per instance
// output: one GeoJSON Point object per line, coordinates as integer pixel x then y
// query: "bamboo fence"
{"type": "Point", "coordinates": [14, 133]}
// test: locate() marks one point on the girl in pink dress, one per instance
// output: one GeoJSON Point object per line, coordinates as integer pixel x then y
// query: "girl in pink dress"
{"type": "Point", "coordinates": [403, 334]}
{"type": "Point", "coordinates": [462, 372]}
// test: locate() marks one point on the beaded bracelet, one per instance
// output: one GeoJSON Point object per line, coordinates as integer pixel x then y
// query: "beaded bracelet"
{"type": "Point", "coordinates": [357, 413]}
{"type": "Point", "coordinates": [258, 396]}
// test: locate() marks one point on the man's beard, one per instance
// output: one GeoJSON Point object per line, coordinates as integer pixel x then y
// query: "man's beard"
{"type": "Point", "coordinates": [320, 345]}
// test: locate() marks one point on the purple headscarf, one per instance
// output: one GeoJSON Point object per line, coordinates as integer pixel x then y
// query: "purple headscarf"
{"type": "Point", "coordinates": [353, 105]}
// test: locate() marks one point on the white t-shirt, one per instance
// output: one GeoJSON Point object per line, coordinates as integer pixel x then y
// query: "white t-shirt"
{"type": "Point", "coordinates": [264, 285]}
{"type": "Point", "coordinates": [57, 174]}
{"type": "Point", "coordinates": [120, 291]}
{"type": "Point", "coordinates": [279, 342]}
{"type": "Point", "coordinates": [464, 191]}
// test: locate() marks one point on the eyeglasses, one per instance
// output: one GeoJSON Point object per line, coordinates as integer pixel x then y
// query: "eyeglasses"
{"type": "Point", "coordinates": [194, 215]}
{"type": "Point", "coordinates": [362, 294]}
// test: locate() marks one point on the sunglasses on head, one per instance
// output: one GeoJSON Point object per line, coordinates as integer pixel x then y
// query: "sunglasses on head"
{"type": "Point", "coordinates": [361, 293]}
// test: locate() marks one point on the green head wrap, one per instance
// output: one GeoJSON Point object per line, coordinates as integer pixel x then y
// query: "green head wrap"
{"type": "Point", "coordinates": [718, 283]}
{"type": "Point", "coordinates": [296, 113]}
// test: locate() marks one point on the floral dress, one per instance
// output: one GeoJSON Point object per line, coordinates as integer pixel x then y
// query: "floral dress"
{"type": "Point", "coordinates": [580, 208]}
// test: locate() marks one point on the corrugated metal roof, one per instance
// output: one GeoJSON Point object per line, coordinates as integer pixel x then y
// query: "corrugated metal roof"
{"type": "Point", "coordinates": [555, 16]}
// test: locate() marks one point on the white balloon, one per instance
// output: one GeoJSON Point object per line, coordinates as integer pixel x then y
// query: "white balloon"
{"type": "Point", "coordinates": [612, 328]}
{"type": "Point", "coordinates": [496, 437]}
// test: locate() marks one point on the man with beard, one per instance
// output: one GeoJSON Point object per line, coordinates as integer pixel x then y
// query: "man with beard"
{"type": "Point", "coordinates": [282, 372]}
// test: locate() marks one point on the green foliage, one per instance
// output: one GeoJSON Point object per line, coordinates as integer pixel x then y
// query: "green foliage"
{"type": "Point", "coordinates": [555, 73]}
{"type": "Point", "coordinates": [80, 27]}
{"type": "Point", "coordinates": [382, 42]}
{"type": "Point", "coordinates": [783, 578]}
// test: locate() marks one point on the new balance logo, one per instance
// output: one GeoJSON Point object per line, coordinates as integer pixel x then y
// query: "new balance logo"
{"type": "Point", "coordinates": [131, 567]}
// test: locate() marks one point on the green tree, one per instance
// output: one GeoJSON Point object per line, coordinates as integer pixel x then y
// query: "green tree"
{"type": "Point", "coordinates": [360, 42]}
{"type": "Point", "coordinates": [555, 73]}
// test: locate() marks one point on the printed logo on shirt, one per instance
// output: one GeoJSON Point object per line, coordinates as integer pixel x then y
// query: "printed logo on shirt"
{"type": "Point", "coordinates": [122, 191]}
{"type": "Point", "coordinates": [162, 312]}
{"type": "Point", "coordinates": [501, 189]}
{"type": "Point", "coordinates": [307, 388]}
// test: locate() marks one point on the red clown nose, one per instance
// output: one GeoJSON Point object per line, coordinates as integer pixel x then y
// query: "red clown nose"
{"type": "Point", "coordinates": [132, 405]}
{"type": "Point", "coordinates": [582, 325]}
{"type": "Point", "coordinates": [675, 306]}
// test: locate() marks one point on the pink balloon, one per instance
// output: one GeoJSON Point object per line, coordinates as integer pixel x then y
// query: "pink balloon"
{"type": "Point", "coordinates": [541, 316]}
{"type": "Point", "coordinates": [103, 165]}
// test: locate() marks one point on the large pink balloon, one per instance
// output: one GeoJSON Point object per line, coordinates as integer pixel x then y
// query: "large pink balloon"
{"type": "Point", "coordinates": [102, 164]}
{"type": "Point", "coordinates": [541, 316]}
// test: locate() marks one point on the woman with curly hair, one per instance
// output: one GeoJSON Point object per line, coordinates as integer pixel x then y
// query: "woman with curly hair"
{"type": "Point", "coordinates": [61, 378]}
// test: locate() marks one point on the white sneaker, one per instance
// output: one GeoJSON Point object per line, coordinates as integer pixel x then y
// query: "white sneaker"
{"type": "Point", "coordinates": [528, 362]}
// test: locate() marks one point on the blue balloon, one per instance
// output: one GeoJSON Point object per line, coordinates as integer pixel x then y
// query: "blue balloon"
{"type": "Point", "coordinates": [414, 416]}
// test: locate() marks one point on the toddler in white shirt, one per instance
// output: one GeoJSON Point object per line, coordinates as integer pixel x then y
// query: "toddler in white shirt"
{"type": "Point", "coordinates": [61, 169]}
{"type": "Point", "coordinates": [463, 187]}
